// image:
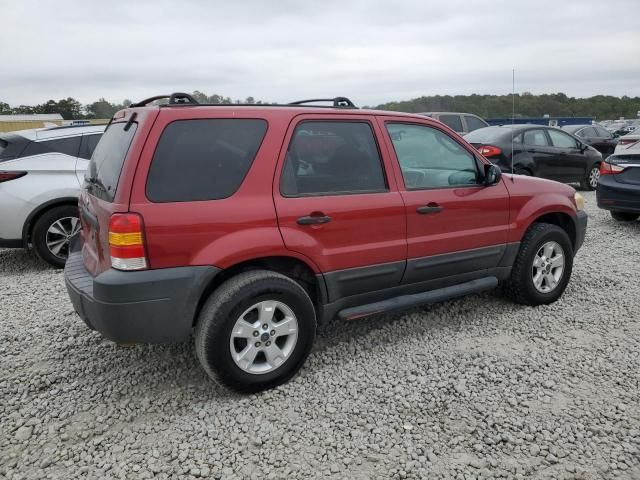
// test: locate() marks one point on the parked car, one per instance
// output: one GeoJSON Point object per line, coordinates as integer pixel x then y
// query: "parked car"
{"type": "Point", "coordinates": [619, 186]}
{"type": "Point", "coordinates": [250, 224]}
{"type": "Point", "coordinates": [539, 151]}
{"type": "Point", "coordinates": [41, 172]}
{"type": "Point", "coordinates": [628, 141]}
{"type": "Point", "coordinates": [596, 136]}
{"type": "Point", "coordinates": [461, 123]}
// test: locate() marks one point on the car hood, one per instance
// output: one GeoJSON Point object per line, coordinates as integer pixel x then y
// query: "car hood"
{"type": "Point", "coordinates": [535, 185]}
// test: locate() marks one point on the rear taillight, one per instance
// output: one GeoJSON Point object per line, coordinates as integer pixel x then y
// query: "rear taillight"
{"type": "Point", "coordinates": [489, 151]}
{"type": "Point", "coordinates": [607, 168]}
{"type": "Point", "coordinates": [6, 176]}
{"type": "Point", "coordinates": [627, 141]}
{"type": "Point", "coordinates": [126, 242]}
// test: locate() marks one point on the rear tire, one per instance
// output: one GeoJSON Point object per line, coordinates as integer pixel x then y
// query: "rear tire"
{"type": "Point", "coordinates": [625, 216]}
{"type": "Point", "coordinates": [591, 181]}
{"type": "Point", "coordinates": [230, 331]}
{"type": "Point", "coordinates": [522, 285]}
{"type": "Point", "coordinates": [51, 234]}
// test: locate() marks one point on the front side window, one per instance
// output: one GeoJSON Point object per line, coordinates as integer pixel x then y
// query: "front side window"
{"type": "Point", "coordinates": [454, 122]}
{"type": "Point", "coordinates": [562, 140]}
{"type": "Point", "coordinates": [430, 158]}
{"type": "Point", "coordinates": [474, 123]}
{"type": "Point", "coordinates": [602, 133]}
{"type": "Point", "coordinates": [203, 159]}
{"type": "Point", "coordinates": [536, 138]}
{"type": "Point", "coordinates": [332, 158]}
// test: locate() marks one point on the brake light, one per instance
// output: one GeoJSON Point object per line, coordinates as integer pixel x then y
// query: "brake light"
{"type": "Point", "coordinates": [126, 242]}
{"type": "Point", "coordinates": [489, 151]}
{"type": "Point", "coordinates": [610, 168]}
{"type": "Point", "coordinates": [6, 176]}
{"type": "Point", "coordinates": [627, 141]}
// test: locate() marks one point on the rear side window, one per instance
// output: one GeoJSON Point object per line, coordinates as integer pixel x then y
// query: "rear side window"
{"type": "Point", "coordinates": [68, 146]}
{"type": "Point", "coordinates": [11, 146]}
{"type": "Point", "coordinates": [88, 145]}
{"type": "Point", "coordinates": [474, 123]}
{"type": "Point", "coordinates": [101, 179]}
{"type": "Point", "coordinates": [454, 122]}
{"type": "Point", "coordinates": [204, 159]}
{"type": "Point", "coordinates": [587, 132]}
{"type": "Point", "coordinates": [332, 158]}
{"type": "Point", "coordinates": [536, 137]}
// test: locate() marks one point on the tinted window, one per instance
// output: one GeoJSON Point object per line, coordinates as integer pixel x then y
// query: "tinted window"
{"type": "Point", "coordinates": [602, 133]}
{"type": "Point", "coordinates": [102, 176]}
{"type": "Point", "coordinates": [488, 135]}
{"type": "Point", "coordinates": [326, 158]}
{"type": "Point", "coordinates": [67, 146]}
{"type": "Point", "coordinates": [587, 132]}
{"type": "Point", "coordinates": [535, 137]}
{"type": "Point", "coordinates": [11, 146]}
{"type": "Point", "coordinates": [452, 121]}
{"type": "Point", "coordinates": [430, 159]}
{"type": "Point", "coordinates": [562, 140]}
{"type": "Point", "coordinates": [474, 123]}
{"type": "Point", "coordinates": [203, 159]}
{"type": "Point", "coordinates": [88, 145]}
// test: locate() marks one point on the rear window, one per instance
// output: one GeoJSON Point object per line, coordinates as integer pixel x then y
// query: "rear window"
{"type": "Point", "coordinates": [204, 159]}
{"type": "Point", "coordinates": [101, 179]}
{"type": "Point", "coordinates": [487, 135]}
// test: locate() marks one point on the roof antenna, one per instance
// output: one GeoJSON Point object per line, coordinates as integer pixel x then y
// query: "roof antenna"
{"type": "Point", "coordinates": [513, 114]}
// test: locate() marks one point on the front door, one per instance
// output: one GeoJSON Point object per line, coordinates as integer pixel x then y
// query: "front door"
{"type": "Point", "coordinates": [337, 205]}
{"type": "Point", "coordinates": [456, 226]}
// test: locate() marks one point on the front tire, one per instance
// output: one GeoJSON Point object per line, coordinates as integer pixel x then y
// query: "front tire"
{"type": "Point", "coordinates": [233, 344]}
{"type": "Point", "coordinates": [51, 234]}
{"type": "Point", "coordinates": [543, 266]}
{"type": "Point", "coordinates": [625, 216]}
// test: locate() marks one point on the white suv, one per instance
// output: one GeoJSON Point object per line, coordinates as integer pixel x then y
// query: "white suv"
{"type": "Point", "coordinates": [41, 172]}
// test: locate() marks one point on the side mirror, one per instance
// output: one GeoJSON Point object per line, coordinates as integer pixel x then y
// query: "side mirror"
{"type": "Point", "coordinates": [492, 174]}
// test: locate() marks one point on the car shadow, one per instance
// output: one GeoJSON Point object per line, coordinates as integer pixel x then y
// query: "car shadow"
{"type": "Point", "coordinates": [19, 261]}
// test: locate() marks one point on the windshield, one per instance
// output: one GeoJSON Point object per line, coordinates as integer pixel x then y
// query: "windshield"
{"type": "Point", "coordinates": [101, 179]}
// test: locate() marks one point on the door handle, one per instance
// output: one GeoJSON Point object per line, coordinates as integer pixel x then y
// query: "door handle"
{"type": "Point", "coordinates": [429, 208]}
{"type": "Point", "coordinates": [313, 220]}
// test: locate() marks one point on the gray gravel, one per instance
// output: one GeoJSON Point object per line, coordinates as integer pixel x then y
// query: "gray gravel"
{"type": "Point", "coordinates": [475, 388]}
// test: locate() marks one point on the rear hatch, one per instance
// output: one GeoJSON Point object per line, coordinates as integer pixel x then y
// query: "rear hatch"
{"type": "Point", "coordinates": [107, 182]}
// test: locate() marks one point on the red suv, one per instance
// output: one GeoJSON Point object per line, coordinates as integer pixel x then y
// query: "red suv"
{"type": "Point", "coordinates": [250, 224]}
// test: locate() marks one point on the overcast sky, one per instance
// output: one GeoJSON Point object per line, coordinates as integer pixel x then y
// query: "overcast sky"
{"type": "Point", "coordinates": [371, 51]}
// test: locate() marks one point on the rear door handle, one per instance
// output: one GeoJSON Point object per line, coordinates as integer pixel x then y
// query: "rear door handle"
{"type": "Point", "coordinates": [430, 208]}
{"type": "Point", "coordinates": [313, 220]}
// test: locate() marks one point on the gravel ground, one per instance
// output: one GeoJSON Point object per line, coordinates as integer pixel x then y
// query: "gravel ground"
{"type": "Point", "coordinates": [474, 388]}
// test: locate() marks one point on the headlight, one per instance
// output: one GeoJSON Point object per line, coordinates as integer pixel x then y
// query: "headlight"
{"type": "Point", "coordinates": [579, 199]}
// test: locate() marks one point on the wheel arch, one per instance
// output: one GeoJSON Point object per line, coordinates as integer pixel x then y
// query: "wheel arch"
{"type": "Point", "coordinates": [562, 220]}
{"type": "Point", "coordinates": [290, 266]}
{"type": "Point", "coordinates": [37, 212]}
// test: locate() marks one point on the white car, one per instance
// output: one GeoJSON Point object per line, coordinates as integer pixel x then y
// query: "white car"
{"type": "Point", "coordinates": [630, 141]}
{"type": "Point", "coordinates": [41, 172]}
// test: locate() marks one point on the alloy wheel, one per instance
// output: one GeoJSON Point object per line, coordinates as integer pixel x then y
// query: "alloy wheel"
{"type": "Point", "coordinates": [263, 337]}
{"type": "Point", "coordinates": [59, 234]}
{"type": "Point", "coordinates": [594, 176]}
{"type": "Point", "coordinates": [548, 267]}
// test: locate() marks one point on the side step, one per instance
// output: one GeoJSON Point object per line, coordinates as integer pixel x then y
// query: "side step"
{"type": "Point", "coordinates": [408, 301]}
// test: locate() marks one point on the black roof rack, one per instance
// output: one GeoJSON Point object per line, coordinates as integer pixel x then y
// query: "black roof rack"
{"type": "Point", "coordinates": [343, 102]}
{"type": "Point", "coordinates": [177, 98]}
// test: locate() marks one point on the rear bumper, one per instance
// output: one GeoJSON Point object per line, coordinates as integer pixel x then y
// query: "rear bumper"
{"type": "Point", "coordinates": [149, 306]}
{"type": "Point", "coordinates": [617, 196]}
{"type": "Point", "coordinates": [581, 228]}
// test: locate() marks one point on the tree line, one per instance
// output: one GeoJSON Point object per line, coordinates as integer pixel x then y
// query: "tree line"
{"type": "Point", "coordinates": [487, 106]}
{"type": "Point", "coordinates": [601, 107]}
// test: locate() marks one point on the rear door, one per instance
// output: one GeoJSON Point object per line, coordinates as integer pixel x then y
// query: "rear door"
{"type": "Point", "coordinates": [337, 203]}
{"type": "Point", "coordinates": [570, 161]}
{"type": "Point", "coordinates": [537, 143]}
{"type": "Point", "coordinates": [456, 226]}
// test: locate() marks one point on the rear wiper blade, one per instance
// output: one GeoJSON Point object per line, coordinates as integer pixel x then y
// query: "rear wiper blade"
{"type": "Point", "coordinates": [96, 182]}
